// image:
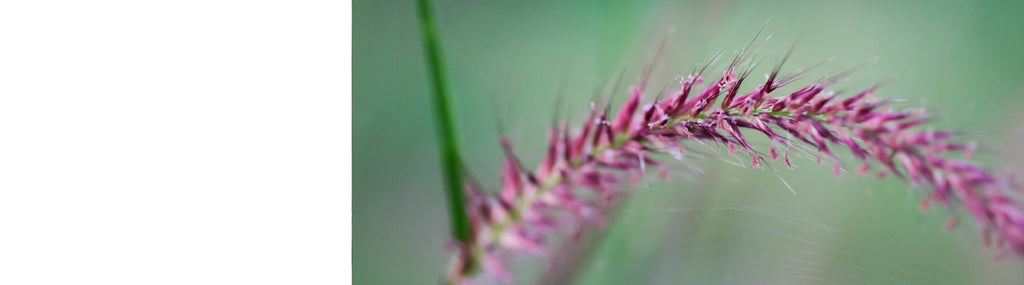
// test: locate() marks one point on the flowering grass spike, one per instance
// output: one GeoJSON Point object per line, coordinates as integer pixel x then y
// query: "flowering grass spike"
{"type": "Point", "coordinates": [586, 168]}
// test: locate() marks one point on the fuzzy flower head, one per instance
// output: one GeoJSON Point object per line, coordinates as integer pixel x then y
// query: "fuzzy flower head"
{"type": "Point", "coordinates": [585, 168]}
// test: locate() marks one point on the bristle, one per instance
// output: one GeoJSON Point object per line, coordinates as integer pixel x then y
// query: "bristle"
{"type": "Point", "coordinates": [770, 83]}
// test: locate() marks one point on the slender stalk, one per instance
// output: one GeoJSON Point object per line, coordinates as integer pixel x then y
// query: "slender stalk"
{"type": "Point", "coordinates": [451, 168]}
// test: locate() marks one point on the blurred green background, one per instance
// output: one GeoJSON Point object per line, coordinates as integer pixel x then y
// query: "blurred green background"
{"type": "Point", "coordinates": [507, 60]}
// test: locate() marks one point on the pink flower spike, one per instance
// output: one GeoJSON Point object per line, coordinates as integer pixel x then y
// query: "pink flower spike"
{"type": "Point", "coordinates": [585, 170]}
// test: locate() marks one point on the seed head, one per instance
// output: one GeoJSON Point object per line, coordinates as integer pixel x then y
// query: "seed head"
{"type": "Point", "coordinates": [584, 168]}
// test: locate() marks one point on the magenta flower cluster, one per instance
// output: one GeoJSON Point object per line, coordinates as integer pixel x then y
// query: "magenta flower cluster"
{"type": "Point", "coordinates": [585, 168]}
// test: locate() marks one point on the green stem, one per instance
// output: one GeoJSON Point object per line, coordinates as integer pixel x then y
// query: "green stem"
{"type": "Point", "coordinates": [447, 144]}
